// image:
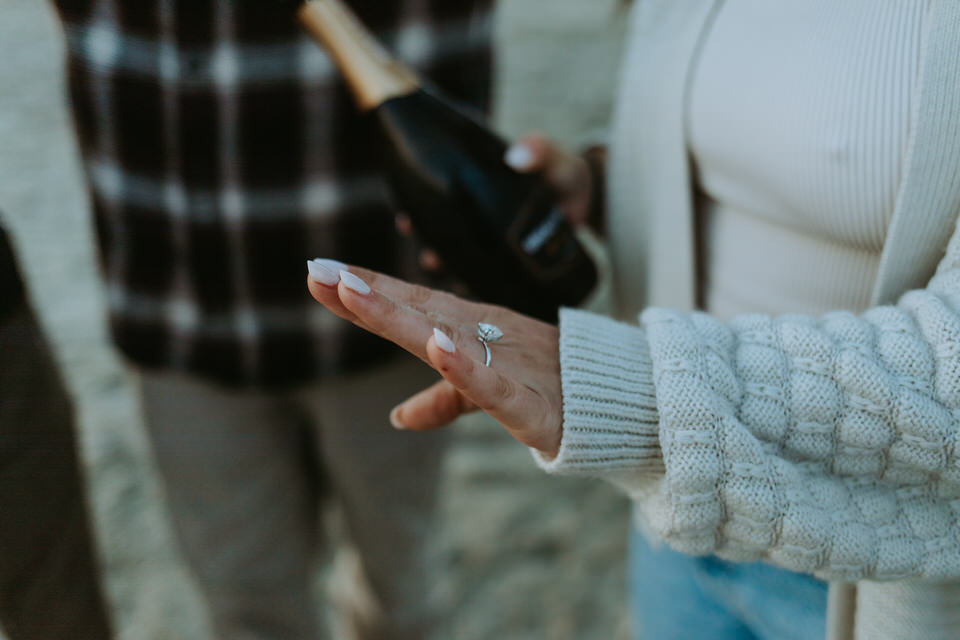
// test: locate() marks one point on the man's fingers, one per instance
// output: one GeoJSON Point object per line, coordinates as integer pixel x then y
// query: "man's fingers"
{"type": "Point", "coordinates": [533, 152]}
{"type": "Point", "coordinates": [430, 261]}
{"type": "Point", "coordinates": [435, 406]}
{"type": "Point", "coordinates": [566, 173]}
{"type": "Point", "coordinates": [403, 224]}
{"type": "Point", "coordinates": [536, 152]}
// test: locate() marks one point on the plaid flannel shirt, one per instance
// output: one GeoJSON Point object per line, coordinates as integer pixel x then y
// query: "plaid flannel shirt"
{"type": "Point", "coordinates": [222, 151]}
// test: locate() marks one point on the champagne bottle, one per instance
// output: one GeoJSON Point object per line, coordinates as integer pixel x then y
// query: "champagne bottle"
{"type": "Point", "coordinates": [499, 231]}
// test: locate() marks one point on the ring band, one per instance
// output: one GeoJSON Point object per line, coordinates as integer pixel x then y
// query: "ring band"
{"type": "Point", "coordinates": [487, 333]}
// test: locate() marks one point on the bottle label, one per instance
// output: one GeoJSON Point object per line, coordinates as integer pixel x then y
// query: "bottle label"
{"type": "Point", "coordinates": [541, 234]}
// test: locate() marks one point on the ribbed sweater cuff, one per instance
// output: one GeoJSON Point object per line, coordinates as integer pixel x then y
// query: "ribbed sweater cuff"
{"type": "Point", "coordinates": [610, 421]}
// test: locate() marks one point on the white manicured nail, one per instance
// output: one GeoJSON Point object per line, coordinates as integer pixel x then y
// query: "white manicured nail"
{"type": "Point", "coordinates": [354, 283]}
{"type": "Point", "coordinates": [322, 273]}
{"type": "Point", "coordinates": [336, 265]}
{"type": "Point", "coordinates": [444, 341]}
{"type": "Point", "coordinates": [395, 418]}
{"type": "Point", "coordinates": [519, 156]}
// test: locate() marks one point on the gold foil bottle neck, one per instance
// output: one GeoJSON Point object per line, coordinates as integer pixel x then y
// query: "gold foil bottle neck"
{"type": "Point", "coordinates": [373, 75]}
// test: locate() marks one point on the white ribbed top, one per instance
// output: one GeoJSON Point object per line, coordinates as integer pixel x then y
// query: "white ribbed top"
{"type": "Point", "coordinates": [808, 194]}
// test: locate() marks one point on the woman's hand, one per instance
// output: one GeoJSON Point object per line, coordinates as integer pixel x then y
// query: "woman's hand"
{"type": "Point", "coordinates": [520, 388]}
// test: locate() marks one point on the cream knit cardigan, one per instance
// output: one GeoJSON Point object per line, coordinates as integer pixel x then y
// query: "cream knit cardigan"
{"type": "Point", "coordinates": [828, 445]}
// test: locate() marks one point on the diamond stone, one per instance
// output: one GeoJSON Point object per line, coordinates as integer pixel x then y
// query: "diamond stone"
{"type": "Point", "coordinates": [488, 332]}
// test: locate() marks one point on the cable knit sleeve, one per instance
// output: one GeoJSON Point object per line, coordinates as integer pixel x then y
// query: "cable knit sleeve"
{"type": "Point", "coordinates": [826, 445]}
{"type": "Point", "coordinates": [609, 404]}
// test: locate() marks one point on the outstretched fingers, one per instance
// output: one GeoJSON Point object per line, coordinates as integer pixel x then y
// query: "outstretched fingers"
{"type": "Point", "coordinates": [520, 409]}
{"type": "Point", "coordinates": [323, 280]}
{"type": "Point", "coordinates": [418, 296]}
{"type": "Point", "coordinates": [404, 325]}
{"type": "Point", "coordinates": [436, 406]}
{"type": "Point", "coordinates": [441, 329]}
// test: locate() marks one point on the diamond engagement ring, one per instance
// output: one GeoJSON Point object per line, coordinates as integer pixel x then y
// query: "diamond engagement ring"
{"type": "Point", "coordinates": [487, 333]}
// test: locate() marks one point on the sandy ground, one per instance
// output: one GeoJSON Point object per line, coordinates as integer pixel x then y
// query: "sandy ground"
{"type": "Point", "coordinates": [526, 556]}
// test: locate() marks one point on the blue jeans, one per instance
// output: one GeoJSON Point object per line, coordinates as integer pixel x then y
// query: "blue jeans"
{"type": "Point", "coordinates": [676, 596]}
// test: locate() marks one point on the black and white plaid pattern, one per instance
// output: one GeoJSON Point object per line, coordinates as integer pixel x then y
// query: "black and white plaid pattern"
{"type": "Point", "coordinates": [222, 151]}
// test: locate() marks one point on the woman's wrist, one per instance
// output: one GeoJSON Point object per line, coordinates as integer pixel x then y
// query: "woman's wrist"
{"type": "Point", "coordinates": [610, 418]}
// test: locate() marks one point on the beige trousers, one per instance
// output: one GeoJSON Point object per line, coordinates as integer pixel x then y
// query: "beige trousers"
{"type": "Point", "coordinates": [246, 474]}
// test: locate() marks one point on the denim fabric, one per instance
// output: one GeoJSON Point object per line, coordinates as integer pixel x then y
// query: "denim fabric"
{"type": "Point", "coordinates": [676, 596]}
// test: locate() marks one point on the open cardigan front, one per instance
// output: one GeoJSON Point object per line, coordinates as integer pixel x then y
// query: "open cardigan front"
{"type": "Point", "coordinates": [651, 224]}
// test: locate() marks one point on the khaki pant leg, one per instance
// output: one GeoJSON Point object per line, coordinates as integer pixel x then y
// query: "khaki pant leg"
{"type": "Point", "coordinates": [237, 469]}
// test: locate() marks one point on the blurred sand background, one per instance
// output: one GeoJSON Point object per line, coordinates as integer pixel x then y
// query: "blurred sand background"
{"type": "Point", "coordinates": [526, 556]}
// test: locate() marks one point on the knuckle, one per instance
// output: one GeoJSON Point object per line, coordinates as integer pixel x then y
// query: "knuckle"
{"type": "Point", "coordinates": [440, 321]}
{"type": "Point", "coordinates": [420, 296]}
{"type": "Point", "coordinates": [386, 314]}
{"type": "Point", "coordinates": [503, 391]}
